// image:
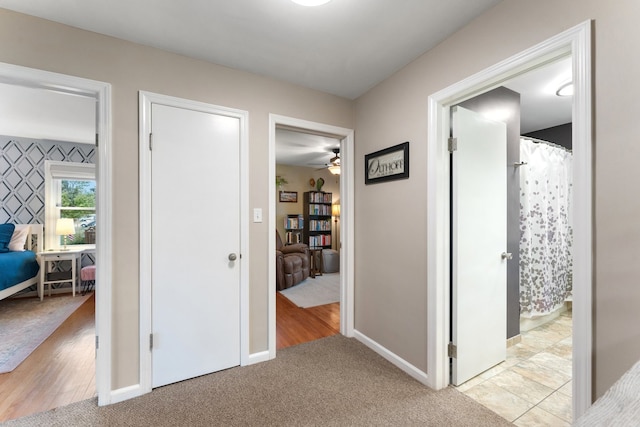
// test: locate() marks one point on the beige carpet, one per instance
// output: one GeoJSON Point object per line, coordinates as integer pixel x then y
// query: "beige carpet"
{"type": "Point", "coordinates": [26, 322]}
{"type": "Point", "coordinates": [334, 381]}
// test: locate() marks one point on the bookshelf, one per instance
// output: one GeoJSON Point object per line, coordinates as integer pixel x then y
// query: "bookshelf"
{"type": "Point", "coordinates": [317, 219]}
{"type": "Point", "coordinates": [293, 226]}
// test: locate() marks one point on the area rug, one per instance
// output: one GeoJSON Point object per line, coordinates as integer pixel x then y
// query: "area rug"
{"type": "Point", "coordinates": [26, 322]}
{"type": "Point", "coordinates": [322, 290]}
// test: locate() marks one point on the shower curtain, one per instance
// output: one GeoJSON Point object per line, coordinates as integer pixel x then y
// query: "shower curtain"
{"type": "Point", "coordinates": [545, 227]}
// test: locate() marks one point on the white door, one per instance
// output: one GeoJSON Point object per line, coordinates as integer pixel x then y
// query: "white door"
{"type": "Point", "coordinates": [479, 225]}
{"type": "Point", "coordinates": [195, 232]}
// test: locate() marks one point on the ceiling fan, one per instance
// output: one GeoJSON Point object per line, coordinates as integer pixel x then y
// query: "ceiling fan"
{"type": "Point", "coordinates": [334, 162]}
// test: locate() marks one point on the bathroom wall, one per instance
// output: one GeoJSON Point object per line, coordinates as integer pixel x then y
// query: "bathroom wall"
{"type": "Point", "coordinates": [561, 135]}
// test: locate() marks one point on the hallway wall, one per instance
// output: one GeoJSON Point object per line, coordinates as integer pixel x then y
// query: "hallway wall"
{"type": "Point", "coordinates": [392, 309]}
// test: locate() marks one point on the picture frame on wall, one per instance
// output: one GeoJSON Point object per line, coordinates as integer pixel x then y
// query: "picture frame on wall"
{"type": "Point", "coordinates": [289, 196]}
{"type": "Point", "coordinates": [389, 164]}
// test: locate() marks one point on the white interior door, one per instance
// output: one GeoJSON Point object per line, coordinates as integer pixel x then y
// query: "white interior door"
{"type": "Point", "coordinates": [195, 199]}
{"type": "Point", "coordinates": [479, 221]}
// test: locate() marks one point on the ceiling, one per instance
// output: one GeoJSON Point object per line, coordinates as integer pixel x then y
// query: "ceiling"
{"type": "Point", "coordinates": [345, 47]}
{"type": "Point", "coordinates": [540, 107]}
{"type": "Point", "coordinates": [297, 148]}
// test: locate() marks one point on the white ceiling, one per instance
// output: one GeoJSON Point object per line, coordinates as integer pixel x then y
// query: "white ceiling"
{"type": "Point", "coordinates": [540, 107]}
{"type": "Point", "coordinates": [44, 114]}
{"type": "Point", "coordinates": [344, 47]}
{"type": "Point", "coordinates": [302, 149]}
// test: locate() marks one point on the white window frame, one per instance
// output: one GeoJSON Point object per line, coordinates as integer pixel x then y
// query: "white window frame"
{"type": "Point", "coordinates": [55, 170]}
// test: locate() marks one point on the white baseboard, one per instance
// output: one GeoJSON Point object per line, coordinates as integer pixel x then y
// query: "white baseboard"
{"type": "Point", "coordinates": [407, 367]}
{"type": "Point", "coordinates": [125, 393]}
{"type": "Point", "coordinates": [259, 357]}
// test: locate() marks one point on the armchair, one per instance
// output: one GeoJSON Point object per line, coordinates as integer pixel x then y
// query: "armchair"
{"type": "Point", "coordinates": [292, 263]}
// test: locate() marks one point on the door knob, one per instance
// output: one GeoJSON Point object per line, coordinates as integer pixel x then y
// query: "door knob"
{"type": "Point", "coordinates": [232, 257]}
{"type": "Point", "coordinates": [507, 255]}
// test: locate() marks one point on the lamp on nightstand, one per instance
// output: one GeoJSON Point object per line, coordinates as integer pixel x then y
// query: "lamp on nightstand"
{"type": "Point", "coordinates": [64, 227]}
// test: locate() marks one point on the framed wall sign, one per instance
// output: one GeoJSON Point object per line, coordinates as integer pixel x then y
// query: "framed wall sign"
{"type": "Point", "coordinates": [289, 196]}
{"type": "Point", "coordinates": [387, 165]}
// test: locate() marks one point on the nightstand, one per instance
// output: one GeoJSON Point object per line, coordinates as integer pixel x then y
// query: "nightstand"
{"type": "Point", "coordinates": [47, 277]}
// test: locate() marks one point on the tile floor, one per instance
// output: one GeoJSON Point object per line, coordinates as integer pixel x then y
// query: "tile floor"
{"type": "Point", "coordinates": [533, 386]}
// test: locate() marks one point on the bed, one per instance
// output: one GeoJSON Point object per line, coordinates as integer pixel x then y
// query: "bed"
{"type": "Point", "coordinates": [19, 268]}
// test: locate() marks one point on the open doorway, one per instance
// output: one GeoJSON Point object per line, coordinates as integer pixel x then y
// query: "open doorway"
{"type": "Point", "coordinates": [345, 220]}
{"type": "Point", "coordinates": [74, 342]}
{"type": "Point", "coordinates": [534, 374]}
{"type": "Point", "coordinates": [575, 42]}
{"type": "Point", "coordinates": [307, 236]}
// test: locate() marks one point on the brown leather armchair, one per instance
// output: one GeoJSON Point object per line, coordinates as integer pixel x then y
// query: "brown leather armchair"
{"type": "Point", "coordinates": [292, 263]}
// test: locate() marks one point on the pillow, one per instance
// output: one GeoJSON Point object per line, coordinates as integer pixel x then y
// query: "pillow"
{"type": "Point", "coordinates": [19, 238]}
{"type": "Point", "coordinates": [6, 231]}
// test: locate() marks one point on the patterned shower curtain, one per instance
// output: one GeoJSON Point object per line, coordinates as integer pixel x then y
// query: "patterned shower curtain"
{"type": "Point", "coordinates": [545, 227]}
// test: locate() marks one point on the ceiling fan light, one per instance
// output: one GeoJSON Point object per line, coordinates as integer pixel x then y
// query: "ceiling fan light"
{"type": "Point", "coordinates": [334, 169]}
{"type": "Point", "coordinates": [311, 3]}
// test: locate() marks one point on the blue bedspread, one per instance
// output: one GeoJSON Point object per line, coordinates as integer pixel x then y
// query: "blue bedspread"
{"type": "Point", "coordinates": [16, 267]}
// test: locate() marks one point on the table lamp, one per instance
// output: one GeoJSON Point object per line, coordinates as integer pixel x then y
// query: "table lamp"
{"type": "Point", "coordinates": [64, 227]}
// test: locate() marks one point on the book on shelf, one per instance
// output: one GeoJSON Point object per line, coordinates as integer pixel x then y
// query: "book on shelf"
{"type": "Point", "coordinates": [294, 222]}
{"type": "Point", "coordinates": [319, 225]}
{"type": "Point", "coordinates": [319, 197]}
{"type": "Point", "coordinates": [316, 209]}
{"type": "Point", "coordinates": [293, 237]}
{"type": "Point", "coordinates": [320, 240]}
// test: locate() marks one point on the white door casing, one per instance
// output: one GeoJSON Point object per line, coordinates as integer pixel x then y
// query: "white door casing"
{"type": "Point", "coordinates": [194, 216]}
{"type": "Point", "coordinates": [479, 225]}
{"type": "Point", "coordinates": [347, 201]}
{"type": "Point", "coordinates": [101, 91]}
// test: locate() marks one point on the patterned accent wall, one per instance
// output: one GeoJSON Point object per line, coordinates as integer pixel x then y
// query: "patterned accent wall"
{"type": "Point", "coordinates": [22, 174]}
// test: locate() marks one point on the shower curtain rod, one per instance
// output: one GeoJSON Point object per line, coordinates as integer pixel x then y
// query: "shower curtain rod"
{"type": "Point", "coordinates": [542, 141]}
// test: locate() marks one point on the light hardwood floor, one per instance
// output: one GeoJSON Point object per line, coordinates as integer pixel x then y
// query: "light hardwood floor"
{"type": "Point", "coordinates": [62, 369]}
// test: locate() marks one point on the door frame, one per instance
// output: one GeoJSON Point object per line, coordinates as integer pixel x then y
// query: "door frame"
{"type": "Point", "coordinates": [145, 101]}
{"type": "Point", "coordinates": [347, 154]}
{"type": "Point", "coordinates": [101, 91]}
{"type": "Point", "coordinates": [575, 42]}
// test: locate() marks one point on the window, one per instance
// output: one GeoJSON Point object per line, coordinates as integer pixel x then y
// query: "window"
{"type": "Point", "coordinates": [70, 192]}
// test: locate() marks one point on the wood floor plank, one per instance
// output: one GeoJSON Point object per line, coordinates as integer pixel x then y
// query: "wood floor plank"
{"type": "Point", "coordinates": [60, 371]}
{"type": "Point", "coordinates": [295, 325]}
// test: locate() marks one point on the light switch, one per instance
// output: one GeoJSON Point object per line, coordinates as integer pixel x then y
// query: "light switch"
{"type": "Point", "coordinates": [257, 214]}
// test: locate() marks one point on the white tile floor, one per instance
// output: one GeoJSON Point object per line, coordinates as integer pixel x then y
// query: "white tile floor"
{"type": "Point", "coordinates": [533, 386]}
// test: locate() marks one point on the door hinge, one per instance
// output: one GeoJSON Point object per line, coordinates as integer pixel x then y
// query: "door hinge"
{"type": "Point", "coordinates": [150, 142]}
{"type": "Point", "coordinates": [150, 342]}
{"type": "Point", "coordinates": [97, 343]}
{"type": "Point", "coordinates": [97, 139]}
{"type": "Point", "coordinates": [453, 144]}
{"type": "Point", "coordinates": [452, 350]}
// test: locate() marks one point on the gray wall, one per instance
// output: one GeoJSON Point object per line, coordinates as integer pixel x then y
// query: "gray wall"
{"type": "Point", "coordinates": [505, 99]}
{"type": "Point", "coordinates": [561, 135]}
